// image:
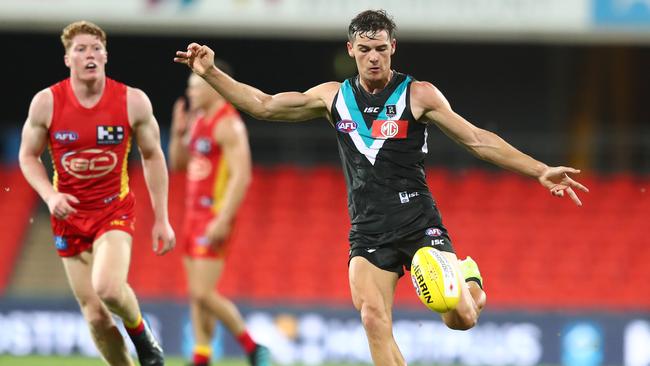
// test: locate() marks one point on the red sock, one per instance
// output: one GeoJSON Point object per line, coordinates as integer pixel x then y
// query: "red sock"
{"type": "Point", "coordinates": [201, 355]}
{"type": "Point", "coordinates": [246, 342]}
{"type": "Point", "coordinates": [135, 328]}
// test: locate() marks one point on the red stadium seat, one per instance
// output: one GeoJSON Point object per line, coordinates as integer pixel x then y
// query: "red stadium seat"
{"type": "Point", "coordinates": [535, 251]}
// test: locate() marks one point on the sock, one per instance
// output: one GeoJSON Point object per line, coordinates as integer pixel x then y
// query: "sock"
{"type": "Point", "coordinates": [474, 279]}
{"type": "Point", "coordinates": [246, 342]}
{"type": "Point", "coordinates": [201, 355]}
{"type": "Point", "coordinates": [135, 328]}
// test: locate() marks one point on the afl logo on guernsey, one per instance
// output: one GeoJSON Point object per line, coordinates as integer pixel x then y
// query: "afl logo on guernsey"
{"type": "Point", "coordinates": [66, 137]}
{"type": "Point", "coordinates": [203, 145]}
{"type": "Point", "coordinates": [346, 126]}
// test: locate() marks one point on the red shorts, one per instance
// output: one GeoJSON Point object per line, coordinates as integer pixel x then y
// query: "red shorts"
{"type": "Point", "coordinates": [194, 241]}
{"type": "Point", "coordinates": [78, 231]}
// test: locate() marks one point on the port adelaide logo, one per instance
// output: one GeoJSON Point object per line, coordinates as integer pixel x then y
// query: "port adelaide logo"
{"type": "Point", "coordinates": [110, 135]}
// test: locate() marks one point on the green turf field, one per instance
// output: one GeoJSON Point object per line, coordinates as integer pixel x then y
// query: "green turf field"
{"type": "Point", "coordinates": [83, 361]}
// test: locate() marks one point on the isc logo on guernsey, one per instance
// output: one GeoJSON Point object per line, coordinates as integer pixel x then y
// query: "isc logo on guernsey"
{"type": "Point", "coordinates": [346, 126]}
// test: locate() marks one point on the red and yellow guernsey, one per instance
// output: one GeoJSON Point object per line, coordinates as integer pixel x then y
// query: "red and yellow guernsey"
{"type": "Point", "coordinates": [207, 172]}
{"type": "Point", "coordinates": [90, 146]}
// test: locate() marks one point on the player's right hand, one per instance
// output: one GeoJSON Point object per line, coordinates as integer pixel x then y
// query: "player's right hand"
{"type": "Point", "coordinates": [59, 205]}
{"type": "Point", "coordinates": [198, 58]}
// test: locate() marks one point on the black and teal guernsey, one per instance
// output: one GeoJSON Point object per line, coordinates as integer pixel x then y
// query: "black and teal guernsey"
{"type": "Point", "coordinates": [382, 149]}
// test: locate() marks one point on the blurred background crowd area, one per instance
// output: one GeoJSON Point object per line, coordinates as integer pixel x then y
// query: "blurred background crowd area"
{"type": "Point", "coordinates": [564, 81]}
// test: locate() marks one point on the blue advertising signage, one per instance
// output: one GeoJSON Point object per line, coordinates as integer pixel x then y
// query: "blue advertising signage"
{"type": "Point", "coordinates": [624, 13]}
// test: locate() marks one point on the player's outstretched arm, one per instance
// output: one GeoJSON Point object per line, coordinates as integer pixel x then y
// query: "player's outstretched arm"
{"type": "Point", "coordinates": [429, 104]}
{"type": "Point", "coordinates": [147, 134]}
{"type": "Point", "coordinates": [32, 144]}
{"type": "Point", "coordinates": [287, 107]}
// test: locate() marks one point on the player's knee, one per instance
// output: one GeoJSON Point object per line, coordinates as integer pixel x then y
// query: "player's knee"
{"type": "Point", "coordinates": [110, 293]}
{"type": "Point", "coordinates": [374, 319]}
{"type": "Point", "coordinates": [461, 321]}
{"type": "Point", "coordinates": [199, 295]}
{"type": "Point", "coordinates": [96, 315]}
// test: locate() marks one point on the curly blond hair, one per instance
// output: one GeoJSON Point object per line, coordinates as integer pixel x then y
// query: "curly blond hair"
{"type": "Point", "coordinates": [81, 27]}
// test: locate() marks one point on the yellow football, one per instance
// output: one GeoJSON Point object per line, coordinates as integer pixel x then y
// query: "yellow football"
{"type": "Point", "coordinates": [435, 280]}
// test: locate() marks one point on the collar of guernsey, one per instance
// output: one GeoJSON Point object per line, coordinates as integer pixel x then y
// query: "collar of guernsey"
{"type": "Point", "coordinates": [348, 109]}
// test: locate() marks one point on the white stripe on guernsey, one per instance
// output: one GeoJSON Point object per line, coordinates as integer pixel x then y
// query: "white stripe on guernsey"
{"type": "Point", "coordinates": [425, 148]}
{"type": "Point", "coordinates": [369, 152]}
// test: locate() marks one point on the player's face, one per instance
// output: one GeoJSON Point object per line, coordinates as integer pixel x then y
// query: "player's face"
{"type": "Point", "coordinates": [372, 55]}
{"type": "Point", "coordinates": [86, 57]}
{"type": "Point", "coordinates": [199, 93]}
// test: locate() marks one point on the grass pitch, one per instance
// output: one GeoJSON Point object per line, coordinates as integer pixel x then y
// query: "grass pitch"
{"type": "Point", "coordinates": [85, 361]}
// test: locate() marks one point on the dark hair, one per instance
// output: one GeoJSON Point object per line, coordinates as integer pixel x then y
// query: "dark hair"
{"type": "Point", "coordinates": [370, 22]}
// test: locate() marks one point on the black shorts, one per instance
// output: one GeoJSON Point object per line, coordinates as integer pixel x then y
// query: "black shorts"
{"type": "Point", "coordinates": [397, 255]}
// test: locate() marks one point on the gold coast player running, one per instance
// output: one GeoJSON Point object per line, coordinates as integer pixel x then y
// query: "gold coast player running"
{"type": "Point", "coordinates": [88, 121]}
{"type": "Point", "coordinates": [212, 145]}
{"type": "Point", "coordinates": [381, 117]}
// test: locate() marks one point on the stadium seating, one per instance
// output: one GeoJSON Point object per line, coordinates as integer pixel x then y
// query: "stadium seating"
{"type": "Point", "coordinates": [17, 200]}
{"type": "Point", "coordinates": [535, 251]}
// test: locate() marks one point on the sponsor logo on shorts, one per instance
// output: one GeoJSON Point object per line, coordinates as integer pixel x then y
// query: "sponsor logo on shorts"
{"type": "Point", "coordinates": [117, 223]}
{"type": "Point", "coordinates": [346, 126]}
{"type": "Point", "coordinates": [371, 250]}
{"type": "Point", "coordinates": [433, 231]}
{"type": "Point", "coordinates": [202, 241]}
{"type": "Point", "coordinates": [405, 197]}
{"type": "Point", "coordinates": [435, 242]}
{"type": "Point", "coordinates": [110, 135]}
{"type": "Point", "coordinates": [110, 199]}
{"type": "Point", "coordinates": [60, 243]}
{"type": "Point", "coordinates": [66, 137]}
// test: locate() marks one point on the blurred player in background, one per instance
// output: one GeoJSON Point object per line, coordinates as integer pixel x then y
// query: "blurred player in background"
{"type": "Point", "coordinates": [381, 117]}
{"type": "Point", "coordinates": [211, 143]}
{"type": "Point", "coordinates": [87, 122]}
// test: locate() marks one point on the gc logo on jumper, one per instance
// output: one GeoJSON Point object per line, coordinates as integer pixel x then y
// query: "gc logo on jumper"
{"type": "Point", "coordinates": [110, 135]}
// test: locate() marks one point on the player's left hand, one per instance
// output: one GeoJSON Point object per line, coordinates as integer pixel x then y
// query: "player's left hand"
{"type": "Point", "coordinates": [163, 234]}
{"type": "Point", "coordinates": [557, 181]}
{"type": "Point", "coordinates": [218, 231]}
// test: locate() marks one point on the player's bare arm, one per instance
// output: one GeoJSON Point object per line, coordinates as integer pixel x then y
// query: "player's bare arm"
{"type": "Point", "coordinates": [33, 142]}
{"type": "Point", "coordinates": [428, 104]}
{"type": "Point", "coordinates": [286, 107]}
{"type": "Point", "coordinates": [147, 134]}
{"type": "Point", "coordinates": [231, 135]}
{"type": "Point", "coordinates": [178, 152]}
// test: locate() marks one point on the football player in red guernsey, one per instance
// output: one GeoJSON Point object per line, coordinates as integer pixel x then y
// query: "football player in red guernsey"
{"type": "Point", "coordinates": [87, 121]}
{"type": "Point", "coordinates": [211, 144]}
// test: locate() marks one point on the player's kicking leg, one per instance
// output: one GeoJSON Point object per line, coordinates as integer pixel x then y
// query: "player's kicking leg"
{"type": "Point", "coordinates": [103, 330]}
{"type": "Point", "coordinates": [372, 291]}
{"type": "Point", "coordinates": [472, 298]}
{"type": "Point", "coordinates": [112, 256]}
